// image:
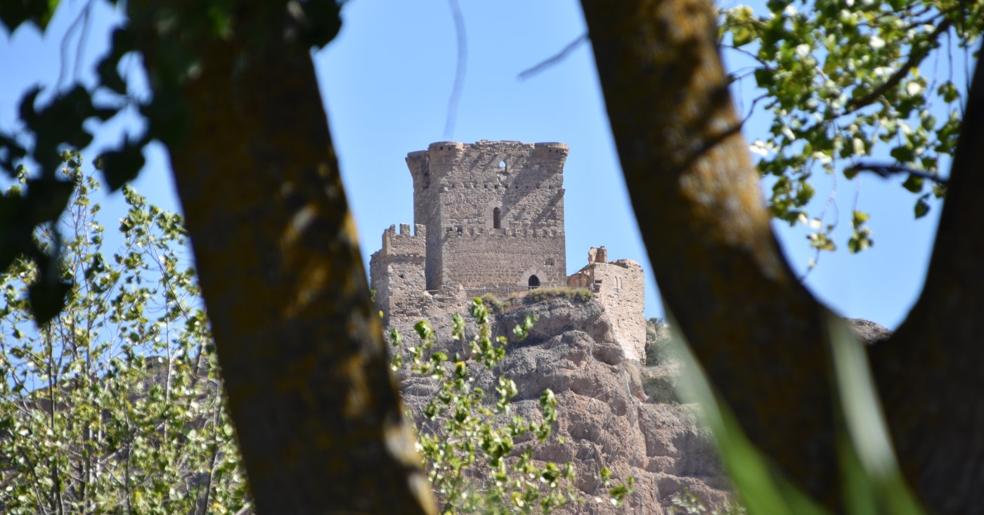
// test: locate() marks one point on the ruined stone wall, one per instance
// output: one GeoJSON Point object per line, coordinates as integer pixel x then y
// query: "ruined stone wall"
{"type": "Point", "coordinates": [462, 190]}
{"type": "Point", "coordinates": [618, 286]}
{"type": "Point", "coordinates": [396, 271]}
{"type": "Point", "coordinates": [504, 260]}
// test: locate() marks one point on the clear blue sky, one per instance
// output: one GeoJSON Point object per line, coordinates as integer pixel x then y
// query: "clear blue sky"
{"type": "Point", "coordinates": [387, 78]}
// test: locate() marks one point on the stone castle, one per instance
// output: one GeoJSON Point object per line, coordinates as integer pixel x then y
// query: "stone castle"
{"type": "Point", "coordinates": [489, 219]}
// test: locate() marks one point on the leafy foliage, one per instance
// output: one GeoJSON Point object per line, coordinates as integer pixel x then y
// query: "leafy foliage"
{"type": "Point", "coordinates": [468, 446]}
{"type": "Point", "coordinates": [841, 81]}
{"type": "Point", "coordinates": [59, 125]}
{"type": "Point", "coordinates": [115, 404]}
{"type": "Point", "coordinates": [687, 503]}
{"type": "Point", "coordinates": [478, 453]}
{"type": "Point", "coordinates": [17, 12]}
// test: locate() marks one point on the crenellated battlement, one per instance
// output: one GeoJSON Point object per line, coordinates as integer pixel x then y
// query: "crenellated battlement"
{"type": "Point", "coordinates": [450, 147]}
{"type": "Point", "coordinates": [403, 243]}
{"type": "Point", "coordinates": [551, 150]}
{"type": "Point", "coordinates": [512, 233]}
{"type": "Point", "coordinates": [485, 163]}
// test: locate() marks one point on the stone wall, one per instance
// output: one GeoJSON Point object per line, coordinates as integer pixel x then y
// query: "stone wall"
{"type": "Point", "coordinates": [618, 286]}
{"type": "Point", "coordinates": [504, 260]}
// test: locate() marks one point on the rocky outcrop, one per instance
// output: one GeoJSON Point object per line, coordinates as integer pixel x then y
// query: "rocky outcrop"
{"type": "Point", "coordinates": [613, 411]}
{"type": "Point", "coordinates": [868, 332]}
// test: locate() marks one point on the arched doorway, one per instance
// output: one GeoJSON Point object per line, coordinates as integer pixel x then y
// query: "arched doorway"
{"type": "Point", "coordinates": [534, 282]}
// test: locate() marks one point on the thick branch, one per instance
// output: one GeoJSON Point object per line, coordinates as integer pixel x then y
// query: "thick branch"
{"type": "Point", "coordinates": [929, 372]}
{"type": "Point", "coordinates": [758, 333]}
{"type": "Point", "coordinates": [318, 418]}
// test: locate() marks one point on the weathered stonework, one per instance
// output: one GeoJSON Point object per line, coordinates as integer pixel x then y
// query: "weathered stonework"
{"type": "Point", "coordinates": [489, 218]}
{"type": "Point", "coordinates": [618, 286]}
{"type": "Point", "coordinates": [397, 268]}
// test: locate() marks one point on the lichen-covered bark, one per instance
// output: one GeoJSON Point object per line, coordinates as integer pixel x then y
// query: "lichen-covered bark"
{"type": "Point", "coordinates": [319, 421]}
{"type": "Point", "coordinates": [931, 372]}
{"type": "Point", "coordinates": [754, 328]}
{"type": "Point", "coordinates": [759, 334]}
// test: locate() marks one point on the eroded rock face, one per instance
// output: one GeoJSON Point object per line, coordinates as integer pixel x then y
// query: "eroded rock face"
{"type": "Point", "coordinates": [869, 332]}
{"type": "Point", "coordinates": [612, 411]}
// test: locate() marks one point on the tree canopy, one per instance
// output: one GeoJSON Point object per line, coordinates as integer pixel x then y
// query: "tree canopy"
{"type": "Point", "coordinates": [846, 81]}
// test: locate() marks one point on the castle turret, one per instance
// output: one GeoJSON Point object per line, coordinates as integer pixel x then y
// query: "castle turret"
{"type": "Point", "coordinates": [396, 270]}
{"type": "Point", "coordinates": [494, 213]}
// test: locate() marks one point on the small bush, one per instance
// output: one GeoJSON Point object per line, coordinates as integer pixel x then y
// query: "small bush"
{"type": "Point", "coordinates": [579, 295]}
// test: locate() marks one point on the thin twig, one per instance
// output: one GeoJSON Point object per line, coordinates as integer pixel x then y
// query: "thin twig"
{"type": "Point", "coordinates": [915, 57]}
{"type": "Point", "coordinates": [63, 50]}
{"type": "Point", "coordinates": [554, 59]}
{"type": "Point", "coordinates": [765, 64]}
{"type": "Point", "coordinates": [459, 70]}
{"type": "Point", "coordinates": [83, 39]}
{"type": "Point", "coordinates": [887, 170]}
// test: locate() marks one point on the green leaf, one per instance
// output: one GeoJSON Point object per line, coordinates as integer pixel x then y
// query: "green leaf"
{"type": "Point", "coordinates": [874, 483]}
{"type": "Point", "coordinates": [921, 208]}
{"type": "Point", "coordinates": [47, 297]}
{"type": "Point", "coordinates": [742, 35]}
{"type": "Point", "coordinates": [764, 77]}
{"type": "Point", "coordinates": [108, 67]}
{"type": "Point", "coordinates": [11, 152]}
{"type": "Point", "coordinates": [913, 183]}
{"type": "Point", "coordinates": [58, 123]}
{"type": "Point", "coordinates": [13, 13]}
{"type": "Point", "coordinates": [15, 235]}
{"type": "Point", "coordinates": [948, 91]}
{"type": "Point", "coordinates": [122, 165]}
{"type": "Point", "coordinates": [858, 218]}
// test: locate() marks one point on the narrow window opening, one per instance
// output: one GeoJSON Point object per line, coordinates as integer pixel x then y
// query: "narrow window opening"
{"type": "Point", "coordinates": [496, 218]}
{"type": "Point", "coordinates": [534, 282]}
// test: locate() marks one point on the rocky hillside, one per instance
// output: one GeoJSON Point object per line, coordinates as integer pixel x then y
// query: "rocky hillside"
{"type": "Point", "coordinates": [612, 411]}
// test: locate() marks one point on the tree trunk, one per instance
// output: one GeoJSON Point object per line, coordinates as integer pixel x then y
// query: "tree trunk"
{"type": "Point", "coordinates": [758, 333]}
{"type": "Point", "coordinates": [319, 420]}
{"type": "Point", "coordinates": [930, 372]}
